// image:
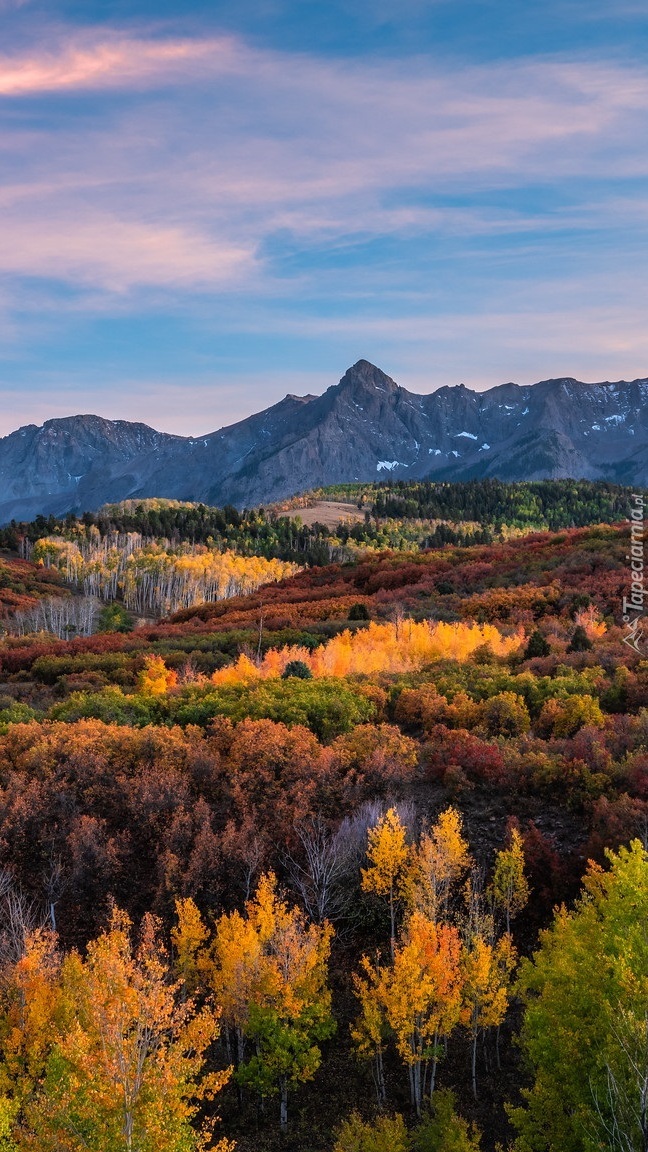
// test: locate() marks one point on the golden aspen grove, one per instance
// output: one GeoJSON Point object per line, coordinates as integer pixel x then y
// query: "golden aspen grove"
{"type": "Point", "coordinates": [152, 577]}
{"type": "Point", "coordinates": [327, 846]}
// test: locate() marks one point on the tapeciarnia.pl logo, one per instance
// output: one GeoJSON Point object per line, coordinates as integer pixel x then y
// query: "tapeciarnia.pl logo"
{"type": "Point", "coordinates": [633, 605]}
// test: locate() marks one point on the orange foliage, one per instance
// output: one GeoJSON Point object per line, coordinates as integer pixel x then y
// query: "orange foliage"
{"type": "Point", "coordinates": [528, 602]}
{"type": "Point", "coordinates": [156, 678]}
{"type": "Point", "coordinates": [401, 647]}
{"type": "Point", "coordinates": [589, 619]}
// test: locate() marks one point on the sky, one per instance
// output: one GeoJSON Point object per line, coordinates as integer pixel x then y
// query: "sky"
{"type": "Point", "coordinates": [205, 205]}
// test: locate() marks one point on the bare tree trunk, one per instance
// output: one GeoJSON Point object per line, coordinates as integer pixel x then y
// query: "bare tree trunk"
{"type": "Point", "coordinates": [435, 1061]}
{"type": "Point", "coordinates": [379, 1078]}
{"type": "Point", "coordinates": [392, 919]}
{"type": "Point", "coordinates": [283, 1115]}
{"type": "Point", "coordinates": [418, 1093]}
{"type": "Point", "coordinates": [240, 1057]}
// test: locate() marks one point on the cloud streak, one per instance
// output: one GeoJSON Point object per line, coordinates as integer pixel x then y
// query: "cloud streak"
{"type": "Point", "coordinates": [101, 249]}
{"type": "Point", "coordinates": [91, 62]}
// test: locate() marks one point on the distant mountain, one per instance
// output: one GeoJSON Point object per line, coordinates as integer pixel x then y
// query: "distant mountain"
{"type": "Point", "coordinates": [364, 428]}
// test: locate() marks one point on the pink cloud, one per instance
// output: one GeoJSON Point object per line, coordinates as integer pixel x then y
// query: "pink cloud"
{"type": "Point", "coordinates": [110, 61]}
{"type": "Point", "coordinates": [188, 190]}
{"type": "Point", "coordinates": [117, 254]}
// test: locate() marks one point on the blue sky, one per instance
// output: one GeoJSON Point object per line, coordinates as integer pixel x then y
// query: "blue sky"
{"type": "Point", "coordinates": [205, 206]}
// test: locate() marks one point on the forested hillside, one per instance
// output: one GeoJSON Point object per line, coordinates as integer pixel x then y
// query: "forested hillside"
{"type": "Point", "coordinates": [292, 859]}
{"type": "Point", "coordinates": [530, 504]}
{"type": "Point", "coordinates": [399, 514]}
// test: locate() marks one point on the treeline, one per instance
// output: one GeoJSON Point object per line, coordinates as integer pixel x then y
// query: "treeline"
{"type": "Point", "coordinates": [531, 504]}
{"type": "Point", "coordinates": [249, 533]}
{"type": "Point", "coordinates": [400, 515]}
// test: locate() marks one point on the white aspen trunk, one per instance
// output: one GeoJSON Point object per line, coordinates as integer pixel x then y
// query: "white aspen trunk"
{"type": "Point", "coordinates": [283, 1115]}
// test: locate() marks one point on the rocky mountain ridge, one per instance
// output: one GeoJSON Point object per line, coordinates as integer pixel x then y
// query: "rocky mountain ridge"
{"type": "Point", "coordinates": [366, 427]}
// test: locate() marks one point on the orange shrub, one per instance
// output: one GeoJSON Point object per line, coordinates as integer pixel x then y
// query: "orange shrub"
{"type": "Point", "coordinates": [402, 647]}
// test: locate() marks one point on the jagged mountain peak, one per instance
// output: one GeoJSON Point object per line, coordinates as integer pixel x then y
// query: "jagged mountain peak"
{"type": "Point", "coordinates": [365, 375]}
{"type": "Point", "coordinates": [366, 427]}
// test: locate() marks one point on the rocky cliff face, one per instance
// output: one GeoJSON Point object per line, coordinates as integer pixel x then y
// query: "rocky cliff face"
{"type": "Point", "coordinates": [364, 428]}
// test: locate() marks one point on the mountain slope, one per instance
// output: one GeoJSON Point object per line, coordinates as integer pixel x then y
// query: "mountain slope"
{"type": "Point", "coordinates": [366, 427]}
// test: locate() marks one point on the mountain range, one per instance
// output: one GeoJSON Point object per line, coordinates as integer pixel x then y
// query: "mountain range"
{"type": "Point", "coordinates": [365, 428]}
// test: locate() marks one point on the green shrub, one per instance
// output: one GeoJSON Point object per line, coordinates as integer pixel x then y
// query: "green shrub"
{"type": "Point", "coordinates": [359, 612]}
{"type": "Point", "coordinates": [386, 1134]}
{"type": "Point", "coordinates": [111, 705]}
{"type": "Point", "coordinates": [298, 669]}
{"type": "Point", "coordinates": [327, 706]}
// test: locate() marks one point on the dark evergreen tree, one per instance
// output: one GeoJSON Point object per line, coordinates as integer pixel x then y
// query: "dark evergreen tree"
{"type": "Point", "coordinates": [537, 645]}
{"type": "Point", "coordinates": [580, 641]}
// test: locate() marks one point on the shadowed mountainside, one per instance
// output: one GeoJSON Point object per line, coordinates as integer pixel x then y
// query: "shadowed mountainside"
{"type": "Point", "coordinates": [366, 427]}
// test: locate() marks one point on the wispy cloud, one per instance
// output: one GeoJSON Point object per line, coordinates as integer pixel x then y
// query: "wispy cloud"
{"type": "Point", "coordinates": [410, 211]}
{"type": "Point", "coordinates": [106, 60]}
{"type": "Point", "coordinates": [101, 249]}
{"type": "Point", "coordinates": [261, 145]}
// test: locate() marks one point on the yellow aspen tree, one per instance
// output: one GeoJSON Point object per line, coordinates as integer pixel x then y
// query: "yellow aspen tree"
{"type": "Point", "coordinates": [156, 679]}
{"type": "Point", "coordinates": [438, 862]}
{"type": "Point", "coordinates": [487, 969]}
{"type": "Point", "coordinates": [189, 938]}
{"type": "Point", "coordinates": [292, 1014]}
{"type": "Point", "coordinates": [370, 1031]}
{"type": "Point", "coordinates": [510, 886]}
{"type": "Point", "coordinates": [422, 996]}
{"type": "Point", "coordinates": [30, 1007]}
{"type": "Point", "coordinates": [388, 855]}
{"type": "Point", "coordinates": [268, 969]}
{"type": "Point", "coordinates": [127, 1070]}
{"type": "Point", "coordinates": [235, 972]}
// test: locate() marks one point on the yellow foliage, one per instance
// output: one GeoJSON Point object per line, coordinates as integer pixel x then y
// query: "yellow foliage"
{"type": "Point", "coordinates": [438, 861]}
{"type": "Point", "coordinates": [133, 1039]}
{"type": "Point", "coordinates": [404, 647]}
{"type": "Point", "coordinates": [31, 1002]}
{"type": "Point", "coordinates": [388, 855]}
{"type": "Point", "coordinates": [370, 1029]}
{"type": "Point", "coordinates": [486, 971]}
{"type": "Point", "coordinates": [154, 576]}
{"type": "Point", "coordinates": [156, 679]}
{"type": "Point", "coordinates": [417, 999]}
{"type": "Point", "coordinates": [118, 1050]}
{"type": "Point", "coordinates": [188, 937]}
{"type": "Point", "coordinates": [234, 967]}
{"type": "Point", "coordinates": [510, 886]}
{"type": "Point", "coordinates": [269, 956]}
{"type": "Point", "coordinates": [422, 989]}
{"type": "Point", "coordinates": [243, 672]}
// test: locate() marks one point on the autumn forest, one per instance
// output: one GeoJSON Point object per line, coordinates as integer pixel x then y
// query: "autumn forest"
{"type": "Point", "coordinates": [325, 839]}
